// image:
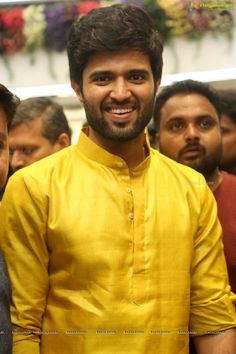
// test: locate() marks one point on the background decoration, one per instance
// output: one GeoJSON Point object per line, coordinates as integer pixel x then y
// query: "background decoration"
{"type": "Point", "coordinates": [11, 30]}
{"type": "Point", "coordinates": [25, 29]}
{"type": "Point", "coordinates": [194, 19]}
{"type": "Point", "coordinates": [28, 28]}
{"type": "Point", "coordinates": [58, 18]}
{"type": "Point", "coordinates": [34, 27]}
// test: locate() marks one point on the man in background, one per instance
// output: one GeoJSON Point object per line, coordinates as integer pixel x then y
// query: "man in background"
{"type": "Point", "coordinates": [8, 104]}
{"type": "Point", "coordinates": [228, 126]}
{"type": "Point", "coordinates": [39, 128]}
{"type": "Point", "coordinates": [187, 120]}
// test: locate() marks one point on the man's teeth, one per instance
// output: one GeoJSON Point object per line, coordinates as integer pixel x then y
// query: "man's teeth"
{"type": "Point", "coordinates": [121, 110]}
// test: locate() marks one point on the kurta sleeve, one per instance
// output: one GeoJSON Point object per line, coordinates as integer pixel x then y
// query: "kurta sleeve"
{"type": "Point", "coordinates": [23, 242]}
{"type": "Point", "coordinates": [212, 302]}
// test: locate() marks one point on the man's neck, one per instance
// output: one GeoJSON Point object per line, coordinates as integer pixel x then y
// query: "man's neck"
{"type": "Point", "coordinates": [214, 179]}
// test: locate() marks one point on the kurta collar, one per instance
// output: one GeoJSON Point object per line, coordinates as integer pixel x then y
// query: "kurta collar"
{"type": "Point", "coordinates": [100, 155]}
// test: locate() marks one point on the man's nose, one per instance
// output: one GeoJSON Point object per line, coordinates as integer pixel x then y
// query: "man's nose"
{"type": "Point", "coordinates": [17, 160]}
{"type": "Point", "coordinates": [192, 133]}
{"type": "Point", "coordinates": [120, 90]}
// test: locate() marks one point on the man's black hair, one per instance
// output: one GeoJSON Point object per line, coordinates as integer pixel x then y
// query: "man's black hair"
{"type": "Point", "coordinates": [113, 28]}
{"type": "Point", "coordinates": [9, 103]}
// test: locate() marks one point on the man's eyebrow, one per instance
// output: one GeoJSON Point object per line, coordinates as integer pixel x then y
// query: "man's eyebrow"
{"type": "Point", "coordinates": [99, 72]}
{"type": "Point", "coordinates": [173, 118]}
{"type": "Point", "coordinates": [3, 136]}
{"type": "Point", "coordinates": [182, 117]}
{"type": "Point", "coordinates": [107, 72]}
{"type": "Point", "coordinates": [140, 71]}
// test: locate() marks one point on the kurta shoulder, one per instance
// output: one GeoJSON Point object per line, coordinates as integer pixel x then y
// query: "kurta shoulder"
{"type": "Point", "coordinates": [59, 162]}
{"type": "Point", "coordinates": [178, 170]}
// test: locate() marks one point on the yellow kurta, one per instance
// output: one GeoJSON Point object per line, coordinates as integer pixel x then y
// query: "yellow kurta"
{"type": "Point", "coordinates": [110, 261]}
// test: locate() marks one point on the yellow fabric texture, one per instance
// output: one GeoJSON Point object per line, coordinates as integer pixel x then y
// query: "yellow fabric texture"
{"type": "Point", "coordinates": [106, 260]}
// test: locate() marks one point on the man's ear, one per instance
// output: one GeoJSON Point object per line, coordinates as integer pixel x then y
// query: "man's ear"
{"type": "Point", "coordinates": [77, 90]}
{"type": "Point", "coordinates": [62, 141]}
{"type": "Point", "coordinates": [157, 85]}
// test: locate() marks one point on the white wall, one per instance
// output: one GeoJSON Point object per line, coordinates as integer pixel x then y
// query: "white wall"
{"type": "Point", "coordinates": [207, 54]}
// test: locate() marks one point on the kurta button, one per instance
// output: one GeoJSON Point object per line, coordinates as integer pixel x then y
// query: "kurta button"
{"type": "Point", "coordinates": [131, 216]}
{"type": "Point", "coordinates": [128, 190]}
{"type": "Point", "coordinates": [120, 164]}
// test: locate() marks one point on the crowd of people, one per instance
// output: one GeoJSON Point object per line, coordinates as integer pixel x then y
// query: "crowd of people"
{"type": "Point", "coordinates": [116, 245]}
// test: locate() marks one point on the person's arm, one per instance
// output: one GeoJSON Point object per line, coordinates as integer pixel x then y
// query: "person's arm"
{"type": "Point", "coordinates": [212, 303]}
{"type": "Point", "coordinates": [223, 343]}
{"type": "Point", "coordinates": [23, 242]}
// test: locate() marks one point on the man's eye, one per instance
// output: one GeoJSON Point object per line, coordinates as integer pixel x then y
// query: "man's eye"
{"type": "Point", "coordinates": [102, 79]}
{"type": "Point", "coordinates": [205, 123]}
{"type": "Point", "coordinates": [136, 77]}
{"type": "Point", "coordinates": [24, 150]}
{"type": "Point", "coordinates": [177, 125]}
{"type": "Point", "coordinates": [28, 150]}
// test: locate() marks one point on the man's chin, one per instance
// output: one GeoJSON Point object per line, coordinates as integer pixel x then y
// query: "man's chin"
{"type": "Point", "coordinates": [196, 163]}
{"type": "Point", "coordinates": [122, 132]}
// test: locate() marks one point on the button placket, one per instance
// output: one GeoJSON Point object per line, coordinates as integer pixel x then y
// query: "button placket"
{"type": "Point", "coordinates": [128, 190]}
{"type": "Point", "coordinates": [131, 216]}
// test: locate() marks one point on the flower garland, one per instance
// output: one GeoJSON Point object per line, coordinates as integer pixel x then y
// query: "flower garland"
{"type": "Point", "coordinates": [193, 19]}
{"type": "Point", "coordinates": [59, 19]}
{"type": "Point", "coordinates": [11, 31]}
{"type": "Point", "coordinates": [32, 27]}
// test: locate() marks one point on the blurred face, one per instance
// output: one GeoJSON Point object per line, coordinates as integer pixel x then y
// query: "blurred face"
{"type": "Point", "coordinates": [229, 143]}
{"type": "Point", "coordinates": [4, 153]}
{"type": "Point", "coordinates": [190, 132]}
{"type": "Point", "coordinates": [118, 94]}
{"type": "Point", "coordinates": [27, 144]}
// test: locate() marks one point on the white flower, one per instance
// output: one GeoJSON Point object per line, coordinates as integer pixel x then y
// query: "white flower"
{"type": "Point", "coordinates": [34, 26]}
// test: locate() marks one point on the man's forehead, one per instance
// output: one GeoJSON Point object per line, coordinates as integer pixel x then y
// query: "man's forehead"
{"type": "Point", "coordinates": [131, 59]}
{"type": "Point", "coordinates": [29, 126]}
{"type": "Point", "coordinates": [195, 103]}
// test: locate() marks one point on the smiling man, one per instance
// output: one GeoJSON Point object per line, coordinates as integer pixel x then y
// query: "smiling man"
{"type": "Point", "coordinates": [115, 234]}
